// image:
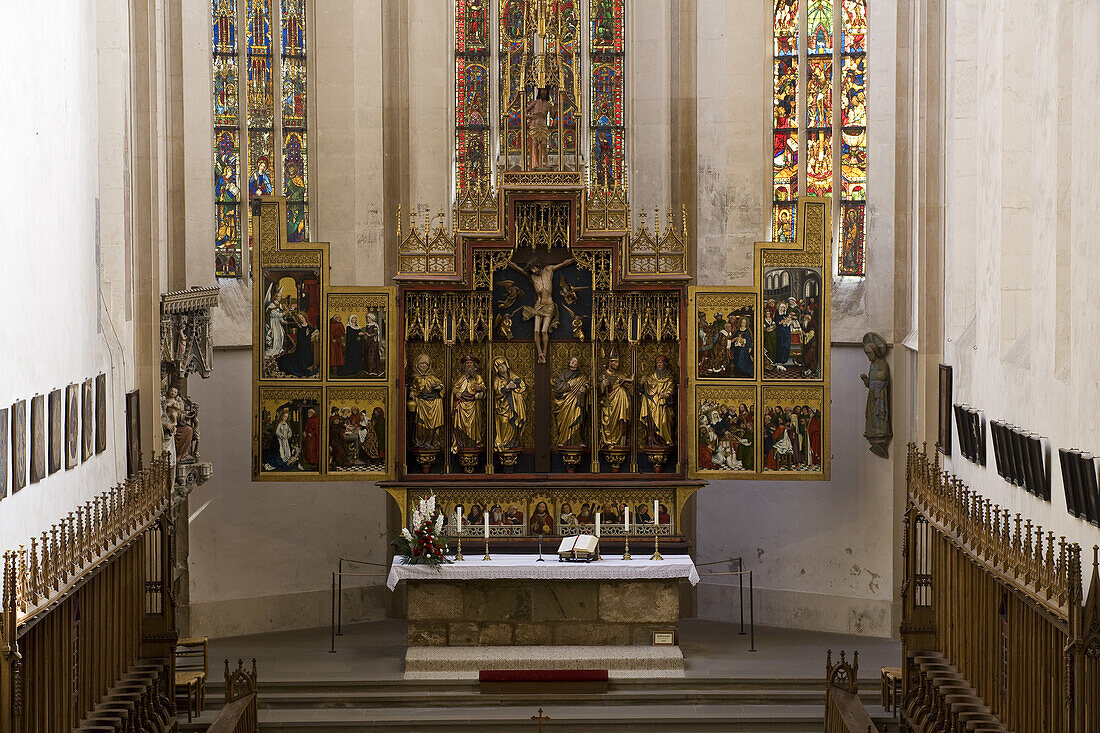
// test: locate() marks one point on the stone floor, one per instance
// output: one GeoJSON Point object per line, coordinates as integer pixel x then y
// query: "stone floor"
{"type": "Point", "coordinates": [376, 651]}
{"type": "Point", "coordinates": [780, 687]}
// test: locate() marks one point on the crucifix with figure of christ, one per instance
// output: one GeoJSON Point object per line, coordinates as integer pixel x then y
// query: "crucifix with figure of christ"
{"type": "Point", "coordinates": [545, 311]}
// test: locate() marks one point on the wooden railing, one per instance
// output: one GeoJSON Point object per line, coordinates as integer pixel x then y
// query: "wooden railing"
{"type": "Point", "coordinates": [240, 714]}
{"type": "Point", "coordinates": [85, 603]}
{"type": "Point", "coordinates": [1001, 602]}
{"type": "Point", "coordinates": [844, 712]}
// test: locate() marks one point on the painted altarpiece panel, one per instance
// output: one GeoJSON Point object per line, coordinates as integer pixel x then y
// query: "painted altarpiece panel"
{"type": "Point", "coordinates": [358, 436]}
{"type": "Point", "coordinates": [793, 421]}
{"type": "Point", "coordinates": [289, 430]}
{"type": "Point", "coordinates": [18, 445]}
{"type": "Point", "coordinates": [38, 438]}
{"type": "Point", "coordinates": [72, 426]}
{"type": "Point", "coordinates": [724, 439]}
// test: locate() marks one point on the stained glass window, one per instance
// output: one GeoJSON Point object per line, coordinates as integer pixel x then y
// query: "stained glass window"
{"type": "Point", "coordinates": [472, 90]}
{"type": "Point", "coordinates": [853, 161]}
{"type": "Point", "coordinates": [785, 120]}
{"type": "Point", "coordinates": [835, 137]}
{"type": "Point", "coordinates": [272, 133]}
{"type": "Point", "coordinates": [295, 186]}
{"type": "Point", "coordinates": [607, 138]}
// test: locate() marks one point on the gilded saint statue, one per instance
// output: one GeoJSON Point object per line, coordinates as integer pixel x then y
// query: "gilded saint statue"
{"type": "Point", "coordinates": [658, 401]}
{"type": "Point", "coordinates": [570, 391]}
{"type": "Point", "coordinates": [877, 427]}
{"type": "Point", "coordinates": [545, 312]}
{"type": "Point", "coordinates": [615, 408]}
{"type": "Point", "coordinates": [425, 402]}
{"type": "Point", "coordinates": [468, 407]}
{"type": "Point", "coordinates": [539, 112]}
{"type": "Point", "coordinates": [508, 399]}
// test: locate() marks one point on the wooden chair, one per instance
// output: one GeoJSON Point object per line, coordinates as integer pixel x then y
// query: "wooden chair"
{"type": "Point", "coordinates": [191, 672]}
{"type": "Point", "coordinates": [891, 689]}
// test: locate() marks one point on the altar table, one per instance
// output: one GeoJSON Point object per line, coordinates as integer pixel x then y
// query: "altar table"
{"type": "Point", "coordinates": [513, 600]}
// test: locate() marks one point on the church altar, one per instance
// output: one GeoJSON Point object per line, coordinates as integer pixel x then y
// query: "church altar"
{"type": "Point", "coordinates": [513, 600]}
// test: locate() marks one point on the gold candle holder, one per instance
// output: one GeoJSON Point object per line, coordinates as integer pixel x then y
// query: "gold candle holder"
{"type": "Point", "coordinates": [486, 550]}
{"type": "Point", "coordinates": [458, 553]}
{"type": "Point", "coordinates": [656, 543]}
{"type": "Point", "coordinates": [626, 547]}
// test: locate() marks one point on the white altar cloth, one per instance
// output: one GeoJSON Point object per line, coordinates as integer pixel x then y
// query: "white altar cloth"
{"type": "Point", "coordinates": [526, 567]}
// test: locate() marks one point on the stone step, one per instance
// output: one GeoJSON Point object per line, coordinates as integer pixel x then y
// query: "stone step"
{"type": "Point", "coordinates": [502, 718]}
{"type": "Point", "coordinates": [463, 662]}
{"type": "Point", "coordinates": [306, 699]}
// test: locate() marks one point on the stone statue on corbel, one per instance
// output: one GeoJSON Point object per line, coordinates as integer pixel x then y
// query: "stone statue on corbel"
{"type": "Point", "coordinates": [185, 349]}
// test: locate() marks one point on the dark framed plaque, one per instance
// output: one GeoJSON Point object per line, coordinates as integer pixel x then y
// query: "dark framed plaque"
{"type": "Point", "coordinates": [943, 439]}
{"type": "Point", "coordinates": [101, 413]}
{"type": "Point", "coordinates": [133, 433]}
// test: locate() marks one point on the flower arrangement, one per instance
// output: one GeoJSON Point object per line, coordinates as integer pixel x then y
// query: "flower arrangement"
{"type": "Point", "coordinates": [425, 544]}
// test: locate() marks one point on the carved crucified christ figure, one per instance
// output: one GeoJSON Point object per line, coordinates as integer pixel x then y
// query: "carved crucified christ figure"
{"type": "Point", "coordinates": [545, 312]}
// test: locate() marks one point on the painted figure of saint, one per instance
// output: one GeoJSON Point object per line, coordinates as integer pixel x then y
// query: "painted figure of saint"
{"type": "Point", "coordinates": [570, 390]}
{"type": "Point", "coordinates": [259, 183]}
{"type": "Point", "coordinates": [372, 347]}
{"type": "Point", "coordinates": [300, 361]}
{"type": "Point", "coordinates": [511, 410]}
{"type": "Point", "coordinates": [658, 401]}
{"type": "Point", "coordinates": [426, 404]}
{"type": "Point", "coordinates": [275, 332]}
{"type": "Point", "coordinates": [337, 449]}
{"type": "Point", "coordinates": [353, 348]}
{"type": "Point", "coordinates": [311, 440]}
{"type": "Point", "coordinates": [741, 349]}
{"type": "Point", "coordinates": [335, 344]}
{"type": "Point", "coordinates": [542, 522]}
{"type": "Point", "coordinates": [468, 406]}
{"type": "Point", "coordinates": [545, 312]}
{"type": "Point", "coordinates": [615, 409]}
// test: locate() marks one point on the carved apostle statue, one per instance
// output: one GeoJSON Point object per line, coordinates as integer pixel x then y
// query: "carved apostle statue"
{"type": "Point", "coordinates": [877, 428]}
{"type": "Point", "coordinates": [425, 402]}
{"type": "Point", "coordinates": [658, 401]}
{"type": "Point", "coordinates": [468, 406]}
{"type": "Point", "coordinates": [615, 406]}
{"type": "Point", "coordinates": [508, 404]}
{"type": "Point", "coordinates": [570, 392]}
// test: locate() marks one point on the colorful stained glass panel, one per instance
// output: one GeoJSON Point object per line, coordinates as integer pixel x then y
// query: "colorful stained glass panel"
{"type": "Point", "coordinates": [783, 222]}
{"type": "Point", "coordinates": [785, 166]}
{"type": "Point", "coordinates": [472, 26]}
{"type": "Point", "coordinates": [607, 93]}
{"type": "Point", "coordinates": [785, 32]}
{"type": "Point", "coordinates": [260, 92]}
{"type": "Point", "coordinates": [819, 163]}
{"type": "Point", "coordinates": [853, 162]}
{"type": "Point", "coordinates": [607, 26]}
{"type": "Point", "coordinates": [226, 101]}
{"type": "Point", "coordinates": [819, 92]}
{"type": "Point", "coordinates": [227, 240]}
{"type": "Point", "coordinates": [224, 22]}
{"type": "Point", "coordinates": [854, 111]}
{"type": "Point", "coordinates": [855, 26]}
{"type": "Point", "coordinates": [472, 92]}
{"type": "Point", "coordinates": [852, 238]}
{"type": "Point", "coordinates": [294, 27]}
{"type": "Point", "coordinates": [294, 91]}
{"type": "Point", "coordinates": [785, 93]}
{"type": "Point", "coordinates": [819, 27]}
{"type": "Point", "coordinates": [227, 161]}
{"type": "Point", "coordinates": [260, 176]}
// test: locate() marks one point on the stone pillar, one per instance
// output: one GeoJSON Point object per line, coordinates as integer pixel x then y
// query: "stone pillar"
{"type": "Point", "coordinates": [185, 348]}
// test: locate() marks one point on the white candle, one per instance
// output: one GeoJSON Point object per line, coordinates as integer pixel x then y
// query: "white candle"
{"type": "Point", "coordinates": [460, 520]}
{"type": "Point", "coordinates": [626, 518]}
{"type": "Point", "coordinates": [597, 524]}
{"type": "Point", "coordinates": [486, 526]}
{"type": "Point", "coordinates": [656, 516]}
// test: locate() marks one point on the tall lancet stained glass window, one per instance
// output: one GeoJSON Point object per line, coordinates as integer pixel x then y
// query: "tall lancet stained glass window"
{"type": "Point", "coordinates": [832, 130]}
{"type": "Point", "coordinates": [472, 89]}
{"type": "Point", "coordinates": [256, 45]}
{"type": "Point", "coordinates": [785, 121]}
{"type": "Point", "coordinates": [607, 148]}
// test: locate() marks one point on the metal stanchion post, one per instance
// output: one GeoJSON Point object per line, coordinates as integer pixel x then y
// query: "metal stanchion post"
{"type": "Point", "coordinates": [741, 592]}
{"type": "Point", "coordinates": [332, 649]}
{"type": "Point", "coordinates": [340, 599]}
{"type": "Point", "coordinates": [752, 618]}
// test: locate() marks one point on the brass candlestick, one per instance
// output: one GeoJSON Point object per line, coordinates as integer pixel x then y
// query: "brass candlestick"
{"type": "Point", "coordinates": [486, 550]}
{"type": "Point", "coordinates": [656, 543]}
{"type": "Point", "coordinates": [458, 553]}
{"type": "Point", "coordinates": [626, 547]}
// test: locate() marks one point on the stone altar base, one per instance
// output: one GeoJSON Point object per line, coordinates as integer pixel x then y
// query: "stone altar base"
{"type": "Point", "coordinates": [574, 613]}
{"type": "Point", "coordinates": [621, 662]}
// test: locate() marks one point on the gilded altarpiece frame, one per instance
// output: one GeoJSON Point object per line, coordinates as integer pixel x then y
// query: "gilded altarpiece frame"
{"type": "Point", "coordinates": [764, 350]}
{"type": "Point", "coordinates": [297, 380]}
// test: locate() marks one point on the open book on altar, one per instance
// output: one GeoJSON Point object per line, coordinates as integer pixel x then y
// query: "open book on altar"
{"type": "Point", "coordinates": [579, 547]}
